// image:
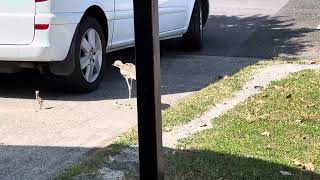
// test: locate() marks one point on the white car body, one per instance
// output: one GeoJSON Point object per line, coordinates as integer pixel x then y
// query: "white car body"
{"type": "Point", "coordinates": [20, 41]}
{"type": "Point", "coordinates": [70, 38]}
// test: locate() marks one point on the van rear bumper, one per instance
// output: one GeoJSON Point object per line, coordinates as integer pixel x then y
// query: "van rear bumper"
{"type": "Point", "coordinates": [48, 45]}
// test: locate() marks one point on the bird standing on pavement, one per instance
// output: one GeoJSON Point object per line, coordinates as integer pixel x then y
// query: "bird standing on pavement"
{"type": "Point", "coordinates": [39, 100]}
{"type": "Point", "coordinates": [128, 71]}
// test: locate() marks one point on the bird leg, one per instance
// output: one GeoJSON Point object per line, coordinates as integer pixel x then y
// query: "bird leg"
{"type": "Point", "coordinates": [129, 88]}
{"type": "Point", "coordinates": [131, 83]}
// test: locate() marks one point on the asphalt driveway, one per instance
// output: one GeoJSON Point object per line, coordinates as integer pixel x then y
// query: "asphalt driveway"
{"type": "Point", "coordinates": [38, 144]}
{"type": "Point", "coordinates": [262, 29]}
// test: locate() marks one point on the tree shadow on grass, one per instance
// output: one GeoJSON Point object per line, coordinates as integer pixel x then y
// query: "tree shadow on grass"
{"type": "Point", "coordinates": [47, 162]}
{"type": "Point", "coordinates": [202, 164]}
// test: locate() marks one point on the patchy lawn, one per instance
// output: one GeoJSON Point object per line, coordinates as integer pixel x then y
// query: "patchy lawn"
{"type": "Point", "coordinates": [188, 109]}
{"type": "Point", "coordinates": [193, 106]}
{"type": "Point", "coordinates": [273, 135]}
{"type": "Point", "coordinates": [185, 111]}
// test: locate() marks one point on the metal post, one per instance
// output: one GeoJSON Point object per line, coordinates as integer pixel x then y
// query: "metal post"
{"type": "Point", "coordinates": [147, 49]}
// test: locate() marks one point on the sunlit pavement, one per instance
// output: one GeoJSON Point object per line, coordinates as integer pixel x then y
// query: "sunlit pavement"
{"type": "Point", "coordinates": [38, 144]}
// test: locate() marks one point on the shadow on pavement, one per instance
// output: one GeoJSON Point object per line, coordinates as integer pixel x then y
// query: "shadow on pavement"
{"type": "Point", "coordinates": [39, 162]}
{"type": "Point", "coordinates": [233, 36]}
{"type": "Point", "coordinates": [253, 36]}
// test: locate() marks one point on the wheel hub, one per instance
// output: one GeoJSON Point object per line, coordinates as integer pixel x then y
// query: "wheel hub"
{"type": "Point", "coordinates": [91, 55]}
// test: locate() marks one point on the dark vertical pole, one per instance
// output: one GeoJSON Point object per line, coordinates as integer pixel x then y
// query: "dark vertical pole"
{"type": "Point", "coordinates": [148, 88]}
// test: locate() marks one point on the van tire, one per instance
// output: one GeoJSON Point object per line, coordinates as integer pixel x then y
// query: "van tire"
{"type": "Point", "coordinates": [192, 39]}
{"type": "Point", "coordinates": [77, 81]}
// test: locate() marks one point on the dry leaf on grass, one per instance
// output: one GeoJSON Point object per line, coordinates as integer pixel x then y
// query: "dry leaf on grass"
{"type": "Point", "coordinates": [266, 133]}
{"type": "Point", "coordinates": [258, 87]}
{"type": "Point", "coordinates": [298, 121]}
{"type": "Point", "coordinates": [264, 116]}
{"type": "Point", "coordinates": [260, 101]}
{"type": "Point", "coordinates": [309, 167]}
{"type": "Point", "coordinates": [204, 125]}
{"type": "Point", "coordinates": [223, 77]}
{"type": "Point", "coordinates": [297, 162]}
{"type": "Point", "coordinates": [269, 147]}
{"type": "Point", "coordinates": [277, 87]}
{"type": "Point", "coordinates": [286, 173]}
{"type": "Point", "coordinates": [311, 105]}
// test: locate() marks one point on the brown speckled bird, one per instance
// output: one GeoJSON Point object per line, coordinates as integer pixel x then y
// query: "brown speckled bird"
{"type": "Point", "coordinates": [128, 71]}
{"type": "Point", "coordinates": [39, 100]}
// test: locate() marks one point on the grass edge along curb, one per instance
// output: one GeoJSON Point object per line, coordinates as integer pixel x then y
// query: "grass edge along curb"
{"type": "Point", "coordinates": [179, 114]}
{"type": "Point", "coordinates": [260, 137]}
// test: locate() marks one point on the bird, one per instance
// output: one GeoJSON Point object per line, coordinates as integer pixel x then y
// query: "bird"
{"type": "Point", "coordinates": [128, 71]}
{"type": "Point", "coordinates": [39, 100]}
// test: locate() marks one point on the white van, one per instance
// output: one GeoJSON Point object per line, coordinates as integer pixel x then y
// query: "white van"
{"type": "Point", "coordinates": [70, 38]}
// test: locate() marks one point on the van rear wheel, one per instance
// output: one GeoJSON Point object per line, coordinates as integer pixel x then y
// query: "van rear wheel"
{"type": "Point", "coordinates": [193, 38]}
{"type": "Point", "coordinates": [89, 56]}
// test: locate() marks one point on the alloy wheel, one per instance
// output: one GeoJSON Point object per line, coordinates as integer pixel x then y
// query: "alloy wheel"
{"type": "Point", "coordinates": [90, 55]}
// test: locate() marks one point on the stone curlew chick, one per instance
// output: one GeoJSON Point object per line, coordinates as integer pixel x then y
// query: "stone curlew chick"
{"type": "Point", "coordinates": [128, 71]}
{"type": "Point", "coordinates": [39, 100]}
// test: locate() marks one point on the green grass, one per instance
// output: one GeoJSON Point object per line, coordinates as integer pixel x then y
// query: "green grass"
{"type": "Point", "coordinates": [193, 106]}
{"type": "Point", "coordinates": [198, 103]}
{"type": "Point", "coordinates": [286, 60]}
{"type": "Point", "coordinates": [185, 111]}
{"type": "Point", "coordinates": [235, 147]}
{"type": "Point", "coordinates": [92, 164]}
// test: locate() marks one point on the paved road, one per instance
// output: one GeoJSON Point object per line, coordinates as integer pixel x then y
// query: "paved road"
{"type": "Point", "coordinates": [37, 145]}
{"type": "Point", "coordinates": [263, 29]}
